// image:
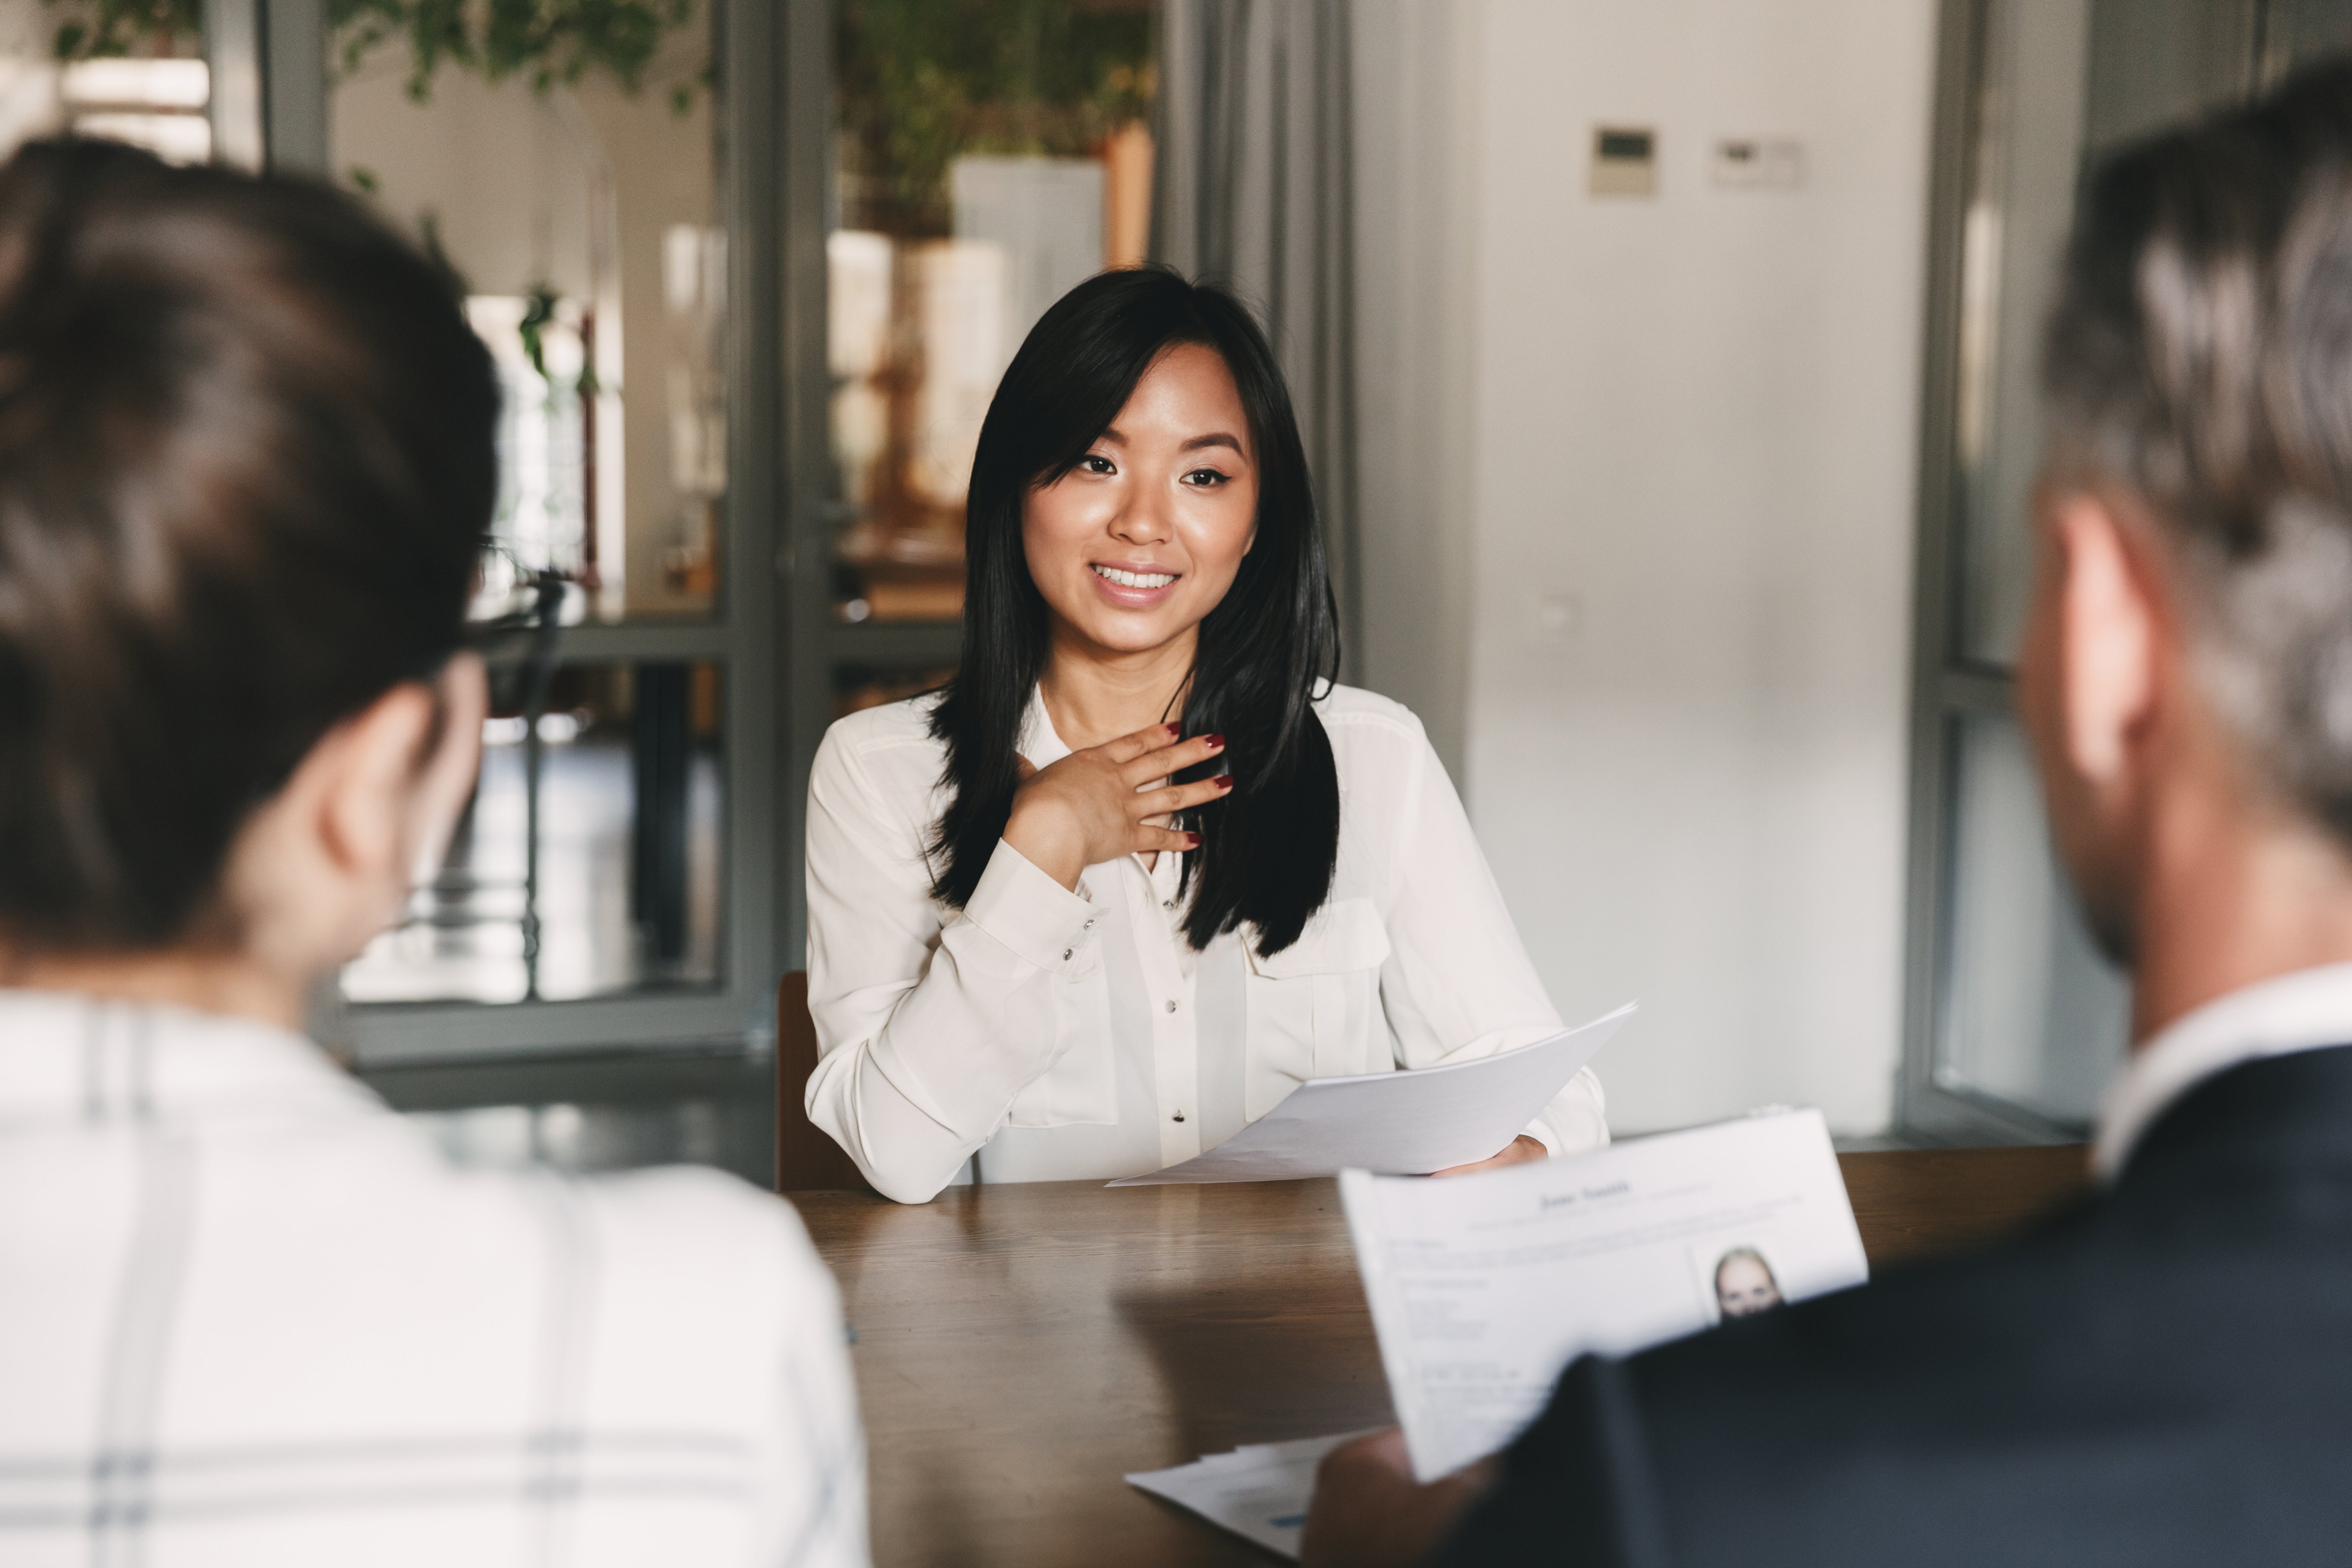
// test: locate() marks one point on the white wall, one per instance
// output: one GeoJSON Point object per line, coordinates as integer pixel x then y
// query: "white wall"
{"type": "Point", "coordinates": [1688, 426]}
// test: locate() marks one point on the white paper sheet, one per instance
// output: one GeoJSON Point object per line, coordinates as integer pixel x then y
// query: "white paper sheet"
{"type": "Point", "coordinates": [1259, 1492]}
{"type": "Point", "coordinates": [1400, 1124]}
{"type": "Point", "coordinates": [1484, 1287]}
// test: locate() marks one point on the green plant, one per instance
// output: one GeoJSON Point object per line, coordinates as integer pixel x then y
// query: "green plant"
{"type": "Point", "coordinates": [920, 81]}
{"type": "Point", "coordinates": [95, 29]}
{"type": "Point", "coordinates": [546, 42]}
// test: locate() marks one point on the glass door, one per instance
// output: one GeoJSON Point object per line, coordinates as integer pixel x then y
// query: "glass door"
{"type": "Point", "coordinates": [588, 185]}
{"type": "Point", "coordinates": [967, 165]}
{"type": "Point", "coordinates": [2014, 1022]}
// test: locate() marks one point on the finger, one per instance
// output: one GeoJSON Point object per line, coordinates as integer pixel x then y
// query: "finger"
{"type": "Point", "coordinates": [1521, 1150]}
{"type": "Point", "coordinates": [1151, 765]}
{"type": "Point", "coordinates": [1173, 798]}
{"type": "Point", "coordinates": [1152, 840]}
{"type": "Point", "coordinates": [1142, 744]}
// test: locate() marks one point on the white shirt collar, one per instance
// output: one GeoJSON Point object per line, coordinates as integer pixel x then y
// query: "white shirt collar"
{"type": "Point", "coordinates": [1040, 742]}
{"type": "Point", "coordinates": [2300, 1011]}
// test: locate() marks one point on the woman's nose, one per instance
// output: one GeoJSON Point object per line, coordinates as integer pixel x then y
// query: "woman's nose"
{"type": "Point", "coordinates": [1145, 521]}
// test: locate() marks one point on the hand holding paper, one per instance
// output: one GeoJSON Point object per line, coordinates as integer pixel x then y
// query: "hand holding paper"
{"type": "Point", "coordinates": [1403, 1123]}
{"type": "Point", "coordinates": [1483, 1289]}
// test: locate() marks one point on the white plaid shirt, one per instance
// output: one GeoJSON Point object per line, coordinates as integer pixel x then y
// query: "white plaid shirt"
{"type": "Point", "coordinates": [249, 1316]}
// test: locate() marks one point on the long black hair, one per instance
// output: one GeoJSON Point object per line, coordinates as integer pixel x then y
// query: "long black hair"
{"type": "Point", "coordinates": [1267, 849]}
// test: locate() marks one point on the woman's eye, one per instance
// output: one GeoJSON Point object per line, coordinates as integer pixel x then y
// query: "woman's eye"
{"type": "Point", "coordinates": [1204, 478]}
{"type": "Point", "coordinates": [1096, 465]}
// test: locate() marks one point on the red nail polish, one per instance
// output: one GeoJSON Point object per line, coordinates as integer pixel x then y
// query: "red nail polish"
{"type": "Point", "coordinates": [1215, 742]}
{"type": "Point", "coordinates": [1225, 781]}
{"type": "Point", "coordinates": [1194, 840]}
{"type": "Point", "coordinates": [1173, 731]}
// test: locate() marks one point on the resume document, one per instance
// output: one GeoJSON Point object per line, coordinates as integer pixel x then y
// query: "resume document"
{"type": "Point", "coordinates": [1484, 1287]}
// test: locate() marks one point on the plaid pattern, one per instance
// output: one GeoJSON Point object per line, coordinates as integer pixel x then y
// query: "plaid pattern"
{"type": "Point", "coordinates": [248, 1315]}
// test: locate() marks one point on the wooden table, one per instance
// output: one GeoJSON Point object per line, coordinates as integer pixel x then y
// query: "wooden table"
{"type": "Point", "coordinates": [1021, 1348]}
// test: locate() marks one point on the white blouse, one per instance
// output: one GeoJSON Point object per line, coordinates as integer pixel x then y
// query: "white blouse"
{"type": "Point", "coordinates": [1060, 1036]}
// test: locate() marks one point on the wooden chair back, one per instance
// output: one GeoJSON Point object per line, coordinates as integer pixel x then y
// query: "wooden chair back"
{"type": "Point", "coordinates": [807, 1159]}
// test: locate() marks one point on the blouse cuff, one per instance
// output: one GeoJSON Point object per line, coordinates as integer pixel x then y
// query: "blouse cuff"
{"type": "Point", "coordinates": [1041, 920]}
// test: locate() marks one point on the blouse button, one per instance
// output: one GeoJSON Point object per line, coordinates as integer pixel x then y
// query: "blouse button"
{"type": "Point", "coordinates": [1180, 1116]}
{"type": "Point", "coordinates": [1167, 903]}
{"type": "Point", "coordinates": [1066, 954]}
{"type": "Point", "coordinates": [1172, 1007]}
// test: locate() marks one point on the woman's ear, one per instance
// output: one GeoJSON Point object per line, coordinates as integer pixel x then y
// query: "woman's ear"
{"type": "Point", "coordinates": [448, 773]}
{"type": "Point", "coordinates": [327, 863]}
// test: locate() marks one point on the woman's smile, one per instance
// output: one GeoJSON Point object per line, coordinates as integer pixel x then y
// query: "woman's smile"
{"type": "Point", "coordinates": [1133, 587]}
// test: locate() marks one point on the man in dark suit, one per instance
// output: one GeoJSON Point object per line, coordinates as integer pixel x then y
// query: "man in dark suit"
{"type": "Point", "coordinates": [2165, 1375]}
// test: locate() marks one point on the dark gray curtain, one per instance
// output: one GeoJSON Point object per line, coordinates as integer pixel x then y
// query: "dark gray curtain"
{"type": "Point", "coordinates": [1253, 187]}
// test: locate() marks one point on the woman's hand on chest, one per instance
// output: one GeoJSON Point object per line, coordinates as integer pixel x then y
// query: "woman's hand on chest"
{"type": "Point", "coordinates": [1092, 806]}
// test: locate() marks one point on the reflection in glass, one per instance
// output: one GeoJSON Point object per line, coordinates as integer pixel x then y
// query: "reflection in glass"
{"type": "Point", "coordinates": [2032, 1013]}
{"type": "Point", "coordinates": [2030, 140]}
{"type": "Point", "coordinates": [991, 157]}
{"type": "Point", "coordinates": [578, 211]}
{"type": "Point", "coordinates": [154, 97]}
{"type": "Point", "coordinates": [603, 878]}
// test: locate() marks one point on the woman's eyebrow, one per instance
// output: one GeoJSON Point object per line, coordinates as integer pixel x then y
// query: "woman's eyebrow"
{"type": "Point", "coordinates": [1219, 439]}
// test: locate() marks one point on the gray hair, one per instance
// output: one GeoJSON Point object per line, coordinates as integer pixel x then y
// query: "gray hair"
{"type": "Point", "coordinates": [2200, 356]}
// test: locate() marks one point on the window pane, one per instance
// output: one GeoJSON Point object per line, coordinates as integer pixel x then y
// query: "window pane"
{"type": "Point", "coordinates": [2029, 148]}
{"type": "Point", "coordinates": [624, 791]}
{"type": "Point", "coordinates": [991, 156]}
{"type": "Point", "coordinates": [2297, 32]}
{"type": "Point", "coordinates": [858, 687]}
{"type": "Point", "coordinates": [580, 218]}
{"type": "Point", "coordinates": [156, 101]}
{"type": "Point", "coordinates": [2033, 1014]}
{"type": "Point", "coordinates": [2156, 62]}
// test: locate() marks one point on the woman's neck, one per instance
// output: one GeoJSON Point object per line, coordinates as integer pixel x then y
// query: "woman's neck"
{"type": "Point", "coordinates": [1094, 694]}
{"type": "Point", "coordinates": [202, 981]}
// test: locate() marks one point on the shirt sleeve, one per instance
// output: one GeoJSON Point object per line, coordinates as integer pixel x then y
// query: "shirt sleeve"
{"type": "Point", "coordinates": [925, 1032]}
{"type": "Point", "coordinates": [1457, 981]}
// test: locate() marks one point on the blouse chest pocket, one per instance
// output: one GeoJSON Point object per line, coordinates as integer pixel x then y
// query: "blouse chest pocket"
{"type": "Point", "coordinates": [1314, 1008]}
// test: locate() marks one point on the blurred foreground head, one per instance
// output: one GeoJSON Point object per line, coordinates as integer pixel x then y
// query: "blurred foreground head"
{"type": "Point", "coordinates": [245, 465]}
{"type": "Point", "coordinates": [2199, 374]}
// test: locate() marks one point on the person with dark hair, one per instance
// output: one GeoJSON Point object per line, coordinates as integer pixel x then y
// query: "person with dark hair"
{"type": "Point", "coordinates": [2160, 1376]}
{"type": "Point", "coordinates": [247, 1313]}
{"type": "Point", "coordinates": [1142, 867]}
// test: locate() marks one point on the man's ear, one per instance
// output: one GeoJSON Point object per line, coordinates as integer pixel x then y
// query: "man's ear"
{"type": "Point", "coordinates": [2109, 617]}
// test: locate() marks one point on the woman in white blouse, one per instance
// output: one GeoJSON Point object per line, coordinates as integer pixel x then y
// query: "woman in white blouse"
{"type": "Point", "coordinates": [1050, 934]}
